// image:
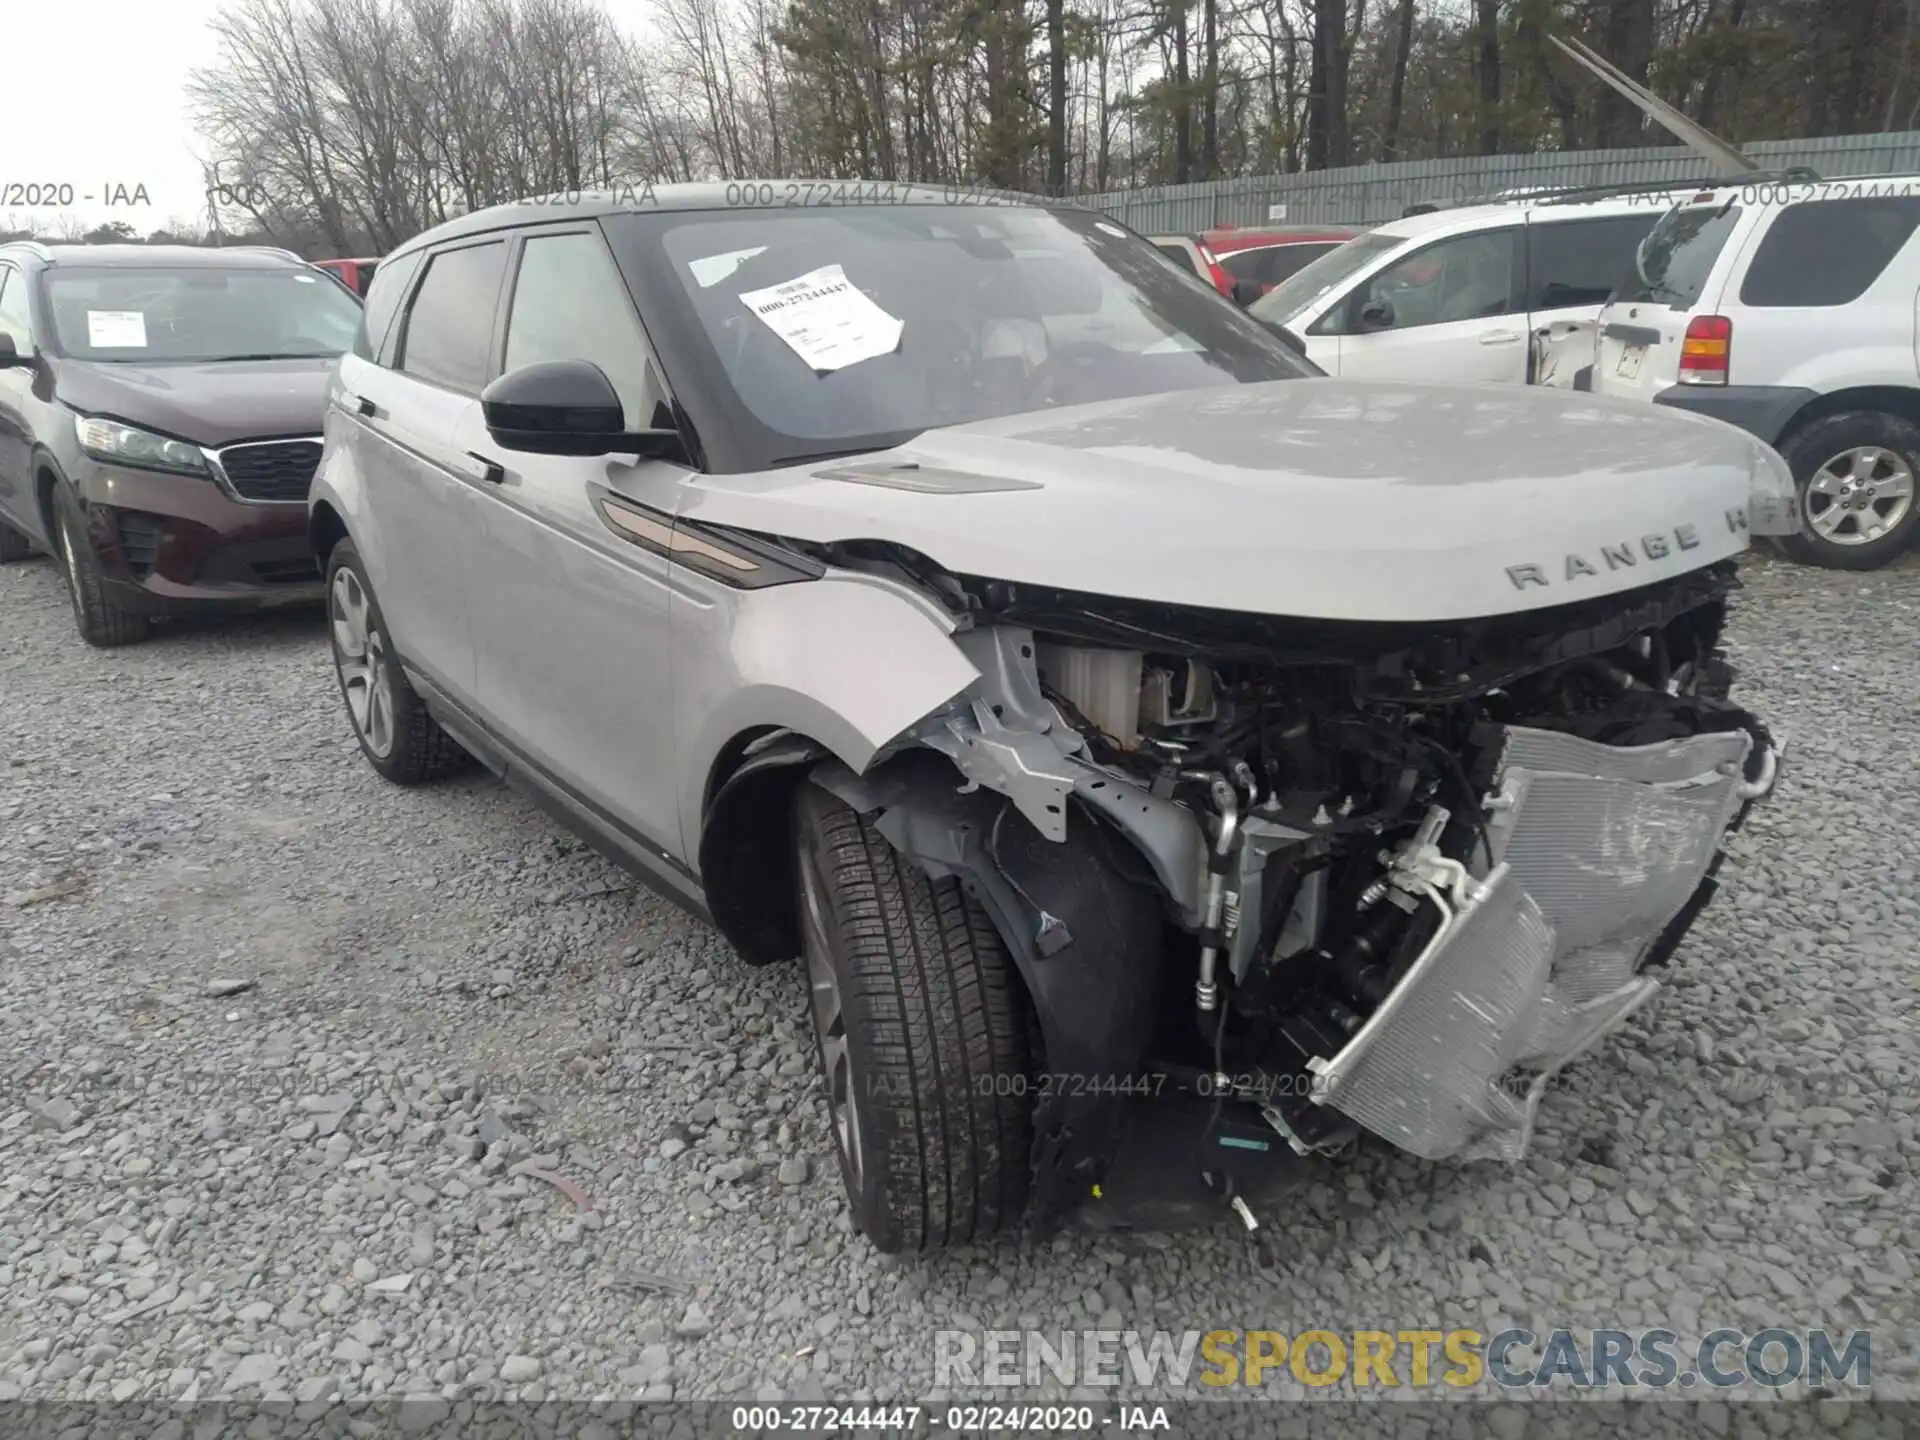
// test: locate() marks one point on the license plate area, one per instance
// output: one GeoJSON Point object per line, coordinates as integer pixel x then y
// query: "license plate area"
{"type": "Point", "coordinates": [1628, 366]}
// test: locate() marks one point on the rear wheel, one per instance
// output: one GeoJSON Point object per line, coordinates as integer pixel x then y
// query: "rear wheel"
{"type": "Point", "coordinates": [1856, 472]}
{"type": "Point", "coordinates": [396, 734]}
{"type": "Point", "coordinates": [101, 619]}
{"type": "Point", "coordinates": [922, 1037]}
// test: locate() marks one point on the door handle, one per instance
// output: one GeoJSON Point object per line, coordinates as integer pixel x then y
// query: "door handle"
{"type": "Point", "coordinates": [491, 471]}
{"type": "Point", "coordinates": [363, 406]}
{"type": "Point", "coordinates": [1499, 337]}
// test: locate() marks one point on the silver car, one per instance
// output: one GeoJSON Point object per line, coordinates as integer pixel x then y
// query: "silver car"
{"type": "Point", "coordinates": [1171, 765]}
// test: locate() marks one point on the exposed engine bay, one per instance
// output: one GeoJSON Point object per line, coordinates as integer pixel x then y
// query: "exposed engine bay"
{"type": "Point", "coordinates": [1404, 874]}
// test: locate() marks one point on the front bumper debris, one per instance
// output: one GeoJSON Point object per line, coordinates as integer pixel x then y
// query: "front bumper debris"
{"type": "Point", "coordinates": [1595, 850]}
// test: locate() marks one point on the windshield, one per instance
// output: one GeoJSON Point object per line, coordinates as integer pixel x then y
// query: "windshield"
{"type": "Point", "coordinates": [816, 332]}
{"type": "Point", "coordinates": [145, 315]}
{"type": "Point", "coordinates": [1674, 261]}
{"type": "Point", "coordinates": [1307, 284]}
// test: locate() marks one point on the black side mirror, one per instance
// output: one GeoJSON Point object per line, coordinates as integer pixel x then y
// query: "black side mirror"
{"type": "Point", "coordinates": [1377, 314]}
{"type": "Point", "coordinates": [1245, 292]}
{"type": "Point", "coordinates": [10, 356]}
{"type": "Point", "coordinates": [566, 407]}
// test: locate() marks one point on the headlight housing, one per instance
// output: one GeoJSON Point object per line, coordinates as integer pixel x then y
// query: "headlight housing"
{"type": "Point", "coordinates": [119, 444]}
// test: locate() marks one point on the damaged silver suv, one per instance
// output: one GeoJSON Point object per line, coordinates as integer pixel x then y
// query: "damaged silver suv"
{"type": "Point", "coordinates": [1169, 763]}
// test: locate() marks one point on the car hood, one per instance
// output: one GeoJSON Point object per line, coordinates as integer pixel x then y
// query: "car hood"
{"type": "Point", "coordinates": [212, 404]}
{"type": "Point", "coordinates": [1324, 498]}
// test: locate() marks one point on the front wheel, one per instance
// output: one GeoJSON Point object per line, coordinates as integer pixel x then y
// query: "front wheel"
{"type": "Point", "coordinates": [99, 616]}
{"type": "Point", "coordinates": [1856, 477]}
{"type": "Point", "coordinates": [396, 734]}
{"type": "Point", "coordinates": [922, 1037]}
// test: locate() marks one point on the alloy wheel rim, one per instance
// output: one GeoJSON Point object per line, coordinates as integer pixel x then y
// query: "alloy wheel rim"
{"type": "Point", "coordinates": [360, 657]}
{"type": "Point", "coordinates": [830, 1021]}
{"type": "Point", "coordinates": [1859, 496]}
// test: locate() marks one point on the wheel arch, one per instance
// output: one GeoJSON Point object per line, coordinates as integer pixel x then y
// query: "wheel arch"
{"type": "Point", "coordinates": [325, 529]}
{"type": "Point", "coordinates": [1900, 400]}
{"type": "Point", "coordinates": [46, 476]}
{"type": "Point", "coordinates": [746, 850]}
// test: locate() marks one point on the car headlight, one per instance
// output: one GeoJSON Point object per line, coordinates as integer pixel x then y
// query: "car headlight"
{"type": "Point", "coordinates": [119, 444]}
{"type": "Point", "coordinates": [1773, 501]}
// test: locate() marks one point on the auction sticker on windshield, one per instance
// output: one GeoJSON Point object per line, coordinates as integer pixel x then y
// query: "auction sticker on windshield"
{"type": "Point", "coordinates": [825, 319]}
{"type": "Point", "coordinates": [116, 329]}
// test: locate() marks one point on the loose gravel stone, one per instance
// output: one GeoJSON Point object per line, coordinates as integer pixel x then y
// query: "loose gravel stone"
{"type": "Point", "coordinates": [201, 1206]}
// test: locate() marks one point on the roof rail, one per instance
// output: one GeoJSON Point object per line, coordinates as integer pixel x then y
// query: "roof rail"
{"type": "Point", "coordinates": [39, 250]}
{"type": "Point", "coordinates": [265, 250]}
{"type": "Point", "coordinates": [1574, 194]}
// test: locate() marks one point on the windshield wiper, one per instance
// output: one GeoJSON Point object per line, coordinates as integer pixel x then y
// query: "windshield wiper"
{"type": "Point", "coordinates": [278, 355]}
{"type": "Point", "coordinates": [819, 455]}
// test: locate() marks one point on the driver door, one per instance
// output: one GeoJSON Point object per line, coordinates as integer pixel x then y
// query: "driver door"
{"type": "Point", "coordinates": [569, 612]}
{"type": "Point", "coordinates": [1452, 310]}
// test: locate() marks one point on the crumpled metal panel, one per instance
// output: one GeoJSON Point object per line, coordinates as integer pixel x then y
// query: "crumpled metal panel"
{"type": "Point", "coordinates": [1610, 843]}
{"type": "Point", "coordinates": [1595, 850]}
{"type": "Point", "coordinates": [1422, 1071]}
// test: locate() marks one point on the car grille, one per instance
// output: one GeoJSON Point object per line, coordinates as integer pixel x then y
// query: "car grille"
{"type": "Point", "coordinates": [274, 470]}
{"type": "Point", "coordinates": [139, 541]}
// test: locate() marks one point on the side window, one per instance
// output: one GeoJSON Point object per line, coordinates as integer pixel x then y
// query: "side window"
{"type": "Point", "coordinates": [16, 315]}
{"type": "Point", "coordinates": [448, 338]}
{"type": "Point", "coordinates": [382, 304]}
{"type": "Point", "coordinates": [1578, 262]}
{"type": "Point", "coordinates": [1180, 256]}
{"type": "Point", "coordinates": [1246, 264]}
{"type": "Point", "coordinates": [1467, 277]}
{"type": "Point", "coordinates": [569, 303]}
{"type": "Point", "coordinates": [1827, 252]}
{"type": "Point", "coordinates": [1284, 261]}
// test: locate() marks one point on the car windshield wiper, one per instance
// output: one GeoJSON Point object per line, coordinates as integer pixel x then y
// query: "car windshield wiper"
{"type": "Point", "coordinates": [780, 461]}
{"type": "Point", "coordinates": [277, 355]}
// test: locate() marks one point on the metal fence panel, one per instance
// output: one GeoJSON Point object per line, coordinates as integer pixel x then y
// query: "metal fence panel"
{"type": "Point", "coordinates": [1374, 194]}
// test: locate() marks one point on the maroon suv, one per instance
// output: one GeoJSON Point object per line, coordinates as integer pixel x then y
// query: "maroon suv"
{"type": "Point", "coordinates": [160, 419]}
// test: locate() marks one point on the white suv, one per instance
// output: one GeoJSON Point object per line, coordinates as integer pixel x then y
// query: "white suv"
{"type": "Point", "coordinates": [1788, 309]}
{"type": "Point", "coordinates": [1458, 294]}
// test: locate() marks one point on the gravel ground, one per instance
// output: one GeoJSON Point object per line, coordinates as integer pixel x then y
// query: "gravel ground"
{"type": "Point", "coordinates": [297, 1068]}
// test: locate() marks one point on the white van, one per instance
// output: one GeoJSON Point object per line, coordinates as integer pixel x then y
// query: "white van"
{"type": "Point", "coordinates": [1788, 308]}
{"type": "Point", "coordinates": [1459, 294]}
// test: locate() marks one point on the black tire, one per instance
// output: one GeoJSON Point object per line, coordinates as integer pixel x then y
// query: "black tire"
{"type": "Point", "coordinates": [13, 545]}
{"type": "Point", "coordinates": [1822, 443]}
{"type": "Point", "coordinates": [935, 1036]}
{"type": "Point", "coordinates": [102, 619]}
{"type": "Point", "coordinates": [410, 748]}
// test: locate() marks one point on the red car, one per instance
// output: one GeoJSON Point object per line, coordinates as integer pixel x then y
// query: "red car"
{"type": "Point", "coordinates": [1227, 256]}
{"type": "Point", "coordinates": [356, 275]}
{"type": "Point", "coordinates": [1269, 254]}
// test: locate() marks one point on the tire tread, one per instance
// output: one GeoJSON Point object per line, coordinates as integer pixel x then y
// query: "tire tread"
{"type": "Point", "coordinates": [931, 984]}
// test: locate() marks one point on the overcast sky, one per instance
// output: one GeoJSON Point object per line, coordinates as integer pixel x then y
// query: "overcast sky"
{"type": "Point", "coordinates": [95, 98]}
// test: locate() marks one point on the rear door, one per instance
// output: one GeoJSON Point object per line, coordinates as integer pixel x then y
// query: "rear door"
{"type": "Point", "coordinates": [1835, 268]}
{"type": "Point", "coordinates": [1573, 263]}
{"type": "Point", "coordinates": [1664, 284]}
{"type": "Point", "coordinates": [418, 481]}
{"type": "Point", "coordinates": [1450, 310]}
